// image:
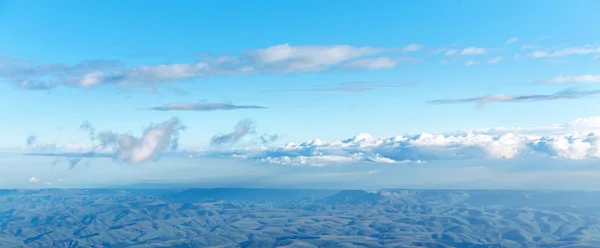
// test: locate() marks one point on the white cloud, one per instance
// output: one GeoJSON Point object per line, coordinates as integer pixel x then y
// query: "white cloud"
{"type": "Point", "coordinates": [287, 58]}
{"type": "Point", "coordinates": [512, 40]}
{"type": "Point", "coordinates": [155, 140]}
{"type": "Point", "coordinates": [473, 51]}
{"type": "Point", "coordinates": [371, 63]}
{"type": "Point", "coordinates": [580, 50]}
{"type": "Point", "coordinates": [494, 60]}
{"type": "Point", "coordinates": [576, 140]}
{"type": "Point", "coordinates": [451, 52]}
{"type": "Point", "coordinates": [34, 180]}
{"type": "Point", "coordinates": [573, 79]}
{"type": "Point", "coordinates": [413, 47]}
{"type": "Point", "coordinates": [471, 62]}
{"type": "Point", "coordinates": [278, 59]}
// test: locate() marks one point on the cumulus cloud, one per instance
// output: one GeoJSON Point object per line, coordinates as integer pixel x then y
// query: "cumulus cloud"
{"type": "Point", "coordinates": [242, 129]}
{"type": "Point", "coordinates": [349, 87]}
{"type": "Point", "coordinates": [155, 140]}
{"type": "Point", "coordinates": [34, 180]}
{"type": "Point", "coordinates": [123, 147]}
{"type": "Point", "coordinates": [576, 140]}
{"type": "Point", "coordinates": [569, 93]}
{"type": "Point", "coordinates": [573, 79]}
{"type": "Point", "coordinates": [203, 107]}
{"type": "Point", "coordinates": [278, 59]}
{"type": "Point", "coordinates": [579, 50]}
{"type": "Point", "coordinates": [512, 40]}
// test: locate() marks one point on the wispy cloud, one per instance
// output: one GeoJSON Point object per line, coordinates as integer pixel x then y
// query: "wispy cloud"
{"type": "Point", "coordinates": [123, 147]}
{"type": "Point", "coordinates": [241, 130]}
{"type": "Point", "coordinates": [203, 107]}
{"type": "Point", "coordinates": [569, 93]}
{"type": "Point", "coordinates": [370, 63]}
{"type": "Point", "coordinates": [572, 79]}
{"type": "Point", "coordinates": [579, 50]}
{"type": "Point", "coordinates": [471, 62]}
{"type": "Point", "coordinates": [473, 51]}
{"type": "Point", "coordinates": [279, 59]}
{"type": "Point", "coordinates": [413, 47]}
{"type": "Point", "coordinates": [494, 60]}
{"type": "Point", "coordinates": [512, 40]}
{"type": "Point", "coordinates": [349, 87]}
{"type": "Point", "coordinates": [544, 37]}
{"type": "Point", "coordinates": [469, 51]}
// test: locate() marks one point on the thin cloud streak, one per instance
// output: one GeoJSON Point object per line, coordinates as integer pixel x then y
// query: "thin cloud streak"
{"type": "Point", "coordinates": [569, 93]}
{"type": "Point", "coordinates": [351, 87]}
{"type": "Point", "coordinates": [203, 107]}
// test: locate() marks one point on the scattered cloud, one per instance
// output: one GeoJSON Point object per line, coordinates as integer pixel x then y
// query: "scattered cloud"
{"type": "Point", "coordinates": [413, 48]}
{"type": "Point", "coordinates": [155, 140]}
{"type": "Point", "coordinates": [469, 51]}
{"type": "Point", "coordinates": [451, 52]}
{"type": "Point", "coordinates": [527, 47]}
{"type": "Point", "coordinates": [580, 50]}
{"type": "Point", "coordinates": [203, 107]}
{"type": "Point", "coordinates": [473, 51]}
{"type": "Point", "coordinates": [512, 40]}
{"type": "Point", "coordinates": [241, 130]}
{"type": "Point", "coordinates": [471, 62]}
{"type": "Point", "coordinates": [569, 93]}
{"type": "Point", "coordinates": [31, 139]}
{"type": "Point", "coordinates": [573, 79]}
{"type": "Point", "coordinates": [34, 180]}
{"type": "Point", "coordinates": [278, 59]}
{"type": "Point", "coordinates": [576, 140]}
{"type": "Point", "coordinates": [371, 63]}
{"type": "Point", "coordinates": [349, 87]}
{"type": "Point", "coordinates": [494, 60]}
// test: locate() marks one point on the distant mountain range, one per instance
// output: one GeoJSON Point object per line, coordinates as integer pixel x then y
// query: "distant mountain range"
{"type": "Point", "coordinates": [237, 217]}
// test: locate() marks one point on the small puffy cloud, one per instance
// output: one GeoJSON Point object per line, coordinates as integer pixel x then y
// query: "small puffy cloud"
{"type": "Point", "coordinates": [494, 60]}
{"type": "Point", "coordinates": [203, 107]}
{"type": "Point", "coordinates": [569, 93]}
{"type": "Point", "coordinates": [512, 40]}
{"type": "Point", "coordinates": [568, 51]}
{"type": "Point", "coordinates": [242, 129]}
{"type": "Point", "coordinates": [155, 140]}
{"type": "Point", "coordinates": [473, 51]}
{"type": "Point", "coordinates": [34, 180]}
{"type": "Point", "coordinates": [413, 48]}
{"type": "Point", "coordinates": [573, 79]}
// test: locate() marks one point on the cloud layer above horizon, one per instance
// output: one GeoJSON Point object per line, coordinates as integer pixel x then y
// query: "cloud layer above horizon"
{"type": "Point", "coordinates": [576, 140]}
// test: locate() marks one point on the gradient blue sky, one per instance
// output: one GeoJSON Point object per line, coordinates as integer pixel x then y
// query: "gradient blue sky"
{"type": "Point", "coordinates": [515, 45]}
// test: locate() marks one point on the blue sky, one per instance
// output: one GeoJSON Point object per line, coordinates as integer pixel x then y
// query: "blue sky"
{"type": "Point", "coordinates": [296, 71]}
